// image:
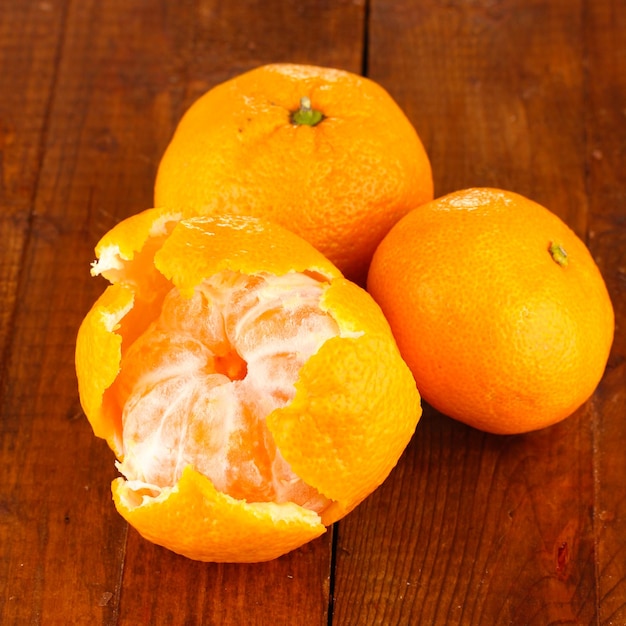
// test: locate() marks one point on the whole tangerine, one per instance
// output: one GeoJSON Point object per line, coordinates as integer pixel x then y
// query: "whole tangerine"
{"type": "Point", "coordinates": [498, 308]}
{"type": "Point", "coordinates": [321, 151]}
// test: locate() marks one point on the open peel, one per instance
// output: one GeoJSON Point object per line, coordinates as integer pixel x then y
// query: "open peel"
{"type": "Point", "coordinates": [332, 439]}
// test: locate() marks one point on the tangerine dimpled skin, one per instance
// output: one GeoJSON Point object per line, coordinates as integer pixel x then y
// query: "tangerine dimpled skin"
{"type": "Point", "coordinates": [252, 395]}
{"type": "Point", "coordinates": [339, 180]}
{"type": "Point", "coordinates": [498, 308]}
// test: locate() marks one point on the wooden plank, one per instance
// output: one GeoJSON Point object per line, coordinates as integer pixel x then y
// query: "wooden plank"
{"type": "Point", "coordinates": [494, 89]}
{"type": "Point", "coordinates": [606, 159]}
{"type": "Point", "coordinates": [30, 38]}
{"type": "Point", "coordinates": [123, 74]}
{"type": "Point", "coordinates": [29, 43]}
{"type": "Point", "coordinates": [473, 528]}
{"type": "Point", "coordinates": [64, 542]}
{"type": "Point", "coordinates": [164, 588]}
{"type": "Point", "coordinates": [229, 38]}
{"type": "Point", "coordinates": [470, 528]}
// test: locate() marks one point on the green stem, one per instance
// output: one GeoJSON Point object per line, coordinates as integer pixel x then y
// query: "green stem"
{"type": "Point", "coordinates": [306, 115]}
{"type": "Point", "coordinates": [558, 254]}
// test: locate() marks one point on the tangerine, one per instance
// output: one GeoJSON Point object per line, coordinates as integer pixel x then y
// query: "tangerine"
{"type": "Point", "coordinates": [498, 308]}
{"type": "Point", "coordinates": [324, 152]}
{"type": "Point", "coordinates": [251, 393]}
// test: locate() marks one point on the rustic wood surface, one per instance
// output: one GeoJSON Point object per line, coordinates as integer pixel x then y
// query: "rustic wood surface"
{"type": "Point", "coordinates": [470, 528]}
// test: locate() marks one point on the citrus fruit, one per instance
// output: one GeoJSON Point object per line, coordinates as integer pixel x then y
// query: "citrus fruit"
{"type": "Point", "coordinates": [323, 152]}
{"type": "Point", "coordinates": [251, 393]}
{"type": "Point", "coordinates": [498, 308]}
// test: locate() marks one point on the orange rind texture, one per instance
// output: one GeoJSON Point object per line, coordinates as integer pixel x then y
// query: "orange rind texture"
{"type": "Point", "coordinates": [99, 352]}
{"type": "Point", "coordinates": [340, 184]}
{"type": "Point", "coordinates": [243, 249]}
{"type": "Point", "coordinates": [355, 405]}
{"type": "Point", "coordinates": [497, 333]}
{"type": "Point", "coordinates": [217, 528]}
{"type": "Point", "coordinates": [343, 462]}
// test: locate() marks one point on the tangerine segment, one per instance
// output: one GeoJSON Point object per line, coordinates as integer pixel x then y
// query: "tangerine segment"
{"type": "Point", "coordinates": [215, 526]}
{"type": "Point", "coordinates": [196, 386]}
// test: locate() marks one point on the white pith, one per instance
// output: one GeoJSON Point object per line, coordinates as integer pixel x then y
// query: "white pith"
{"type": "Point", "coordinates": [184, 396]}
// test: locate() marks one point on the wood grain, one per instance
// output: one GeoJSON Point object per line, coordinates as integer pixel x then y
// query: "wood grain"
{"type": "Point", "coordinates": [470, 528]}
{"type": "Point", "coordinates": [506, 526]}
{"type": "Point", "coordinates": [606, 187]}
{"type": "Point", "coordinates": [27, 80]}
{"type": "Point", "coordinates": [119, 76]}
{"type": "Point", "coordinates": [160, 587]}
{"type": "Point", "coordinates": [299, 582]}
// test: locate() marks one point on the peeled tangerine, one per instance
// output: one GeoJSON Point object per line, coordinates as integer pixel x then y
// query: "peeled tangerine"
{"type": "Point", "coordinates": [251, 394]}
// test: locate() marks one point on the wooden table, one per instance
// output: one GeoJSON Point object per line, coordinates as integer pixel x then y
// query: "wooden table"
{"type": "Point", "coordinates": [529, 95]}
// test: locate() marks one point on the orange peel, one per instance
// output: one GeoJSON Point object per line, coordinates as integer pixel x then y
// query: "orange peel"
{"type": "Point", "coordinates": [340, 175]}
{"type": "Point", "coordinates": [335, 432]}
